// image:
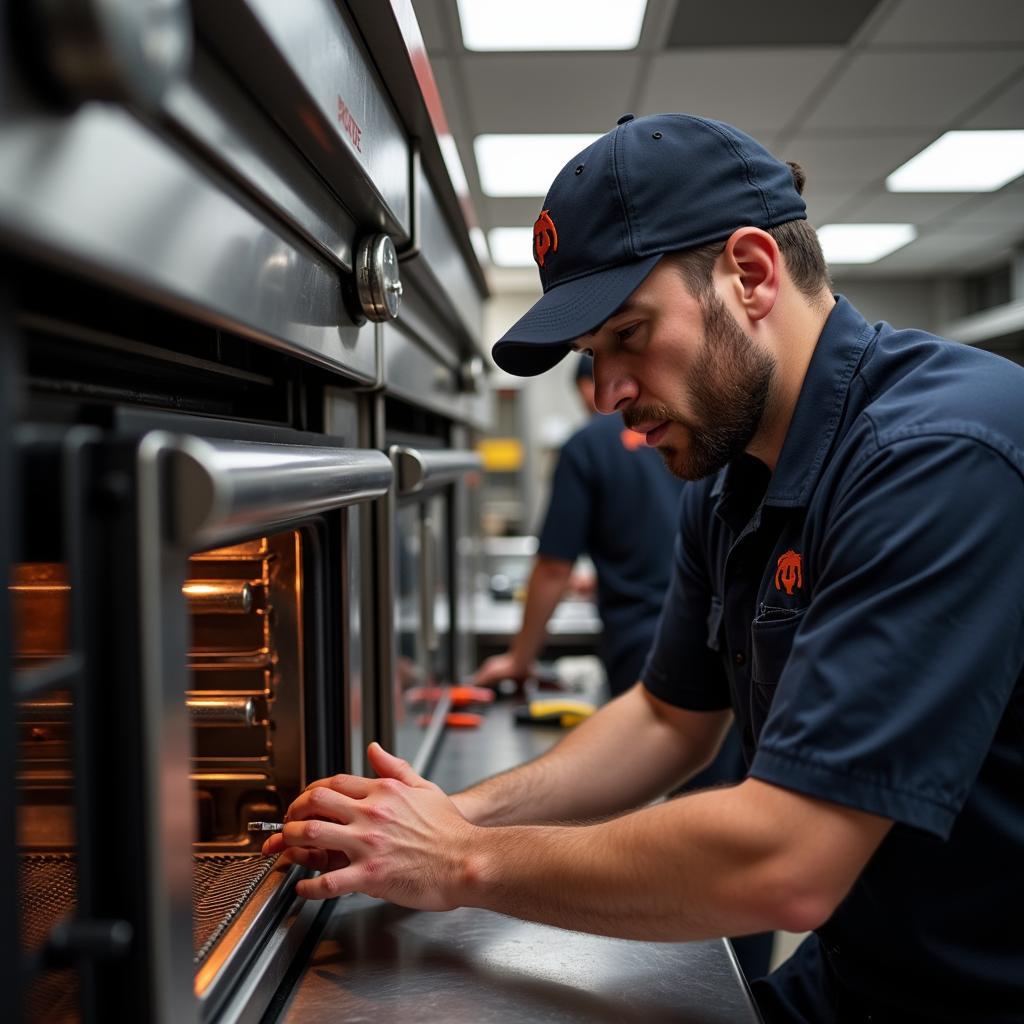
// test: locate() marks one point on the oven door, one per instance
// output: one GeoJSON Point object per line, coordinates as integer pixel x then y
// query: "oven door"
{"type": "Point", "coordinates": [425, 621]}
{"type": "Point", "coordinates": [179, 635]}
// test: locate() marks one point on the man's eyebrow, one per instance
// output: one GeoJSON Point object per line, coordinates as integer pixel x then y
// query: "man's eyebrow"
{"type": "Point", "coordinates": [627, 307]}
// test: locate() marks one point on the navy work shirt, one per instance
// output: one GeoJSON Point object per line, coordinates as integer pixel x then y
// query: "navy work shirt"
{"type": "Point", "coordinates": [862, 611]}
{"type": "Point", "coordinates": [613, 498]}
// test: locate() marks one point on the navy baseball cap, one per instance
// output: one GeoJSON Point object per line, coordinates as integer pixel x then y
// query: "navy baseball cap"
{"type": "Point", "coordinates": [651, 185]}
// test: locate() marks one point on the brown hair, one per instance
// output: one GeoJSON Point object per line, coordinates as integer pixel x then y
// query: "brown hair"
{"type": "Point", "coordinates": [796, 239]}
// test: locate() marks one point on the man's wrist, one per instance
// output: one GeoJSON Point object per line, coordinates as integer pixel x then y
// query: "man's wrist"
{"type": "Point", "coordinates": [478, 861]}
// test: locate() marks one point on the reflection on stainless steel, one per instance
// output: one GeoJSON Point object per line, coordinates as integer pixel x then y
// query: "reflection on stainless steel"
{"type": "Point", "coordinates": [225, 597]}
{"type": "Point", "coordinates": [417, 469]}
{"type": "Point", "coordinates": [224, 487]}
{"type": "Point", "coordinates": [115, 49]}
{"type": "Point", "coordinates": [149, 220]}
{"type": "Point", "coordinates": [221, 710]}
{"type": "Point", "coordinates": [315, 65]}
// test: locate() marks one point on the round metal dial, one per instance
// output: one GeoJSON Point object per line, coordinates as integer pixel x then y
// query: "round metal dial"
{"type": "Point", "coordinates": [380, 290]}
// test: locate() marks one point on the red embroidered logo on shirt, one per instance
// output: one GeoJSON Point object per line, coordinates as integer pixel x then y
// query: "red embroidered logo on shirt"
{"type": "Point", "coordinates": [789, 572]}
{"type": "Point", "coordinates": [545, 237]}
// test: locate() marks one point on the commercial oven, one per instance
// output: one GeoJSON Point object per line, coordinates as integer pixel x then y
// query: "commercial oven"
{"type": "Point", "coordinates": [236, 276]}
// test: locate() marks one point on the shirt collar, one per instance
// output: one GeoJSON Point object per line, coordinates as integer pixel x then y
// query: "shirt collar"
{"type": "Point", "coordinates": [819, 408]}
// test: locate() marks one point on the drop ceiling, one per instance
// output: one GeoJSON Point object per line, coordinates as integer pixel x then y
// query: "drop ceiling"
{"type": "Point", "coordinates": [849, 90]}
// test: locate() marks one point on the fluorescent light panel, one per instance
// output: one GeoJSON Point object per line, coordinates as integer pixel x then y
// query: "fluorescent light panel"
{"type": "Point", "coordinates": [551, 24]}
{"type": "Point", "coordinates": [863, 243]}
{"type": "Point", "coordinates": [962, 162]}
{"type": "Point", "coordinates": [524, 165]}
{"type": "Point", "coordinates": [511, 247]}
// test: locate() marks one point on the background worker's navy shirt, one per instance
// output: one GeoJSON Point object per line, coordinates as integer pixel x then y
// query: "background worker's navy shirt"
{"type": "Point", "coordinates": [862, 610]}
{"type": "Point", "coordinates": [618, 504]}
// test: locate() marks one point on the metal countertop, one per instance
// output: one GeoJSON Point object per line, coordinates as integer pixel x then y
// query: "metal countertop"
{"type": "Point", "coordinates": [378, 962]}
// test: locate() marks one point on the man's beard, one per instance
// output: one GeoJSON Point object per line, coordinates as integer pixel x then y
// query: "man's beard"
{"type": "Point", "coordinates": [730, 387]}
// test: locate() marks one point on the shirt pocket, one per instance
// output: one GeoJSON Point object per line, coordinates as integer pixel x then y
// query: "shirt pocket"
{"type": "Point", "coordinates": [771, 640]}
{"type": "Point", "coordinates": [714, 623]}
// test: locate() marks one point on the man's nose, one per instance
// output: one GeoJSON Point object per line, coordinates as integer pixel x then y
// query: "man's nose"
{"type": "Point", "coordinates": [615, 390]}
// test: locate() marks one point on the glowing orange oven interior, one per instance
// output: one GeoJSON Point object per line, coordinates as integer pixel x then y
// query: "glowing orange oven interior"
{"type": "Point", "coordinates": [245, 705]}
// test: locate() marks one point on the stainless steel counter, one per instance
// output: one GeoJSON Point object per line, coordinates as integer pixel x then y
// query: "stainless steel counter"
{"type": "Point", "coordinates": [377, 962]}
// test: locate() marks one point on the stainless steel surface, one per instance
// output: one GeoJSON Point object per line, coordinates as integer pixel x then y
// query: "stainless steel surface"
{"type": "Point", "coordinates": [167, 830]}
{"type": "Point", "coordinates": [219, 118]}
{"type": "Point", "coordinates": [128, 50]}
{"type": "Point", "coordinates": [379, 962]}
{"type": "Point", "coordinates": [100, 193]}
{"type": "Point", "coordinates": [441, 254]}
{"type": "Point", "coordinates": [222, 597]}
{"type": "Point", "coordinates": [306, 65]}
{"type": "Point", "coordinates": [224, 488]}
{"type": "Point", "coordinates": [420, 469]}
{"type": "Point", "coordinates": [377, 278]}
{"type": "Point", "coordinates": [265, 826]}
{"type": "Point", "coordinates": [201, 710]}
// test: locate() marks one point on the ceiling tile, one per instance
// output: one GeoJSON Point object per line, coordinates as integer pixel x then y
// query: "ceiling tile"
{"type": "Point", "coordinates": [903, 208]}
{"type": "Point", "coordinates": [547, 92]}
{"type": "Point", "coordinates": [502, 212]}
{"type": "Point", "coordinates": [920, 22]}
{"type": "Point", "coordinates": [851, 163]}
{"type": "Point", "coordinates": [906, 89]}
{"type": "Point", "coordinates": [755, 23]}
{"type": "Point", "coordinates": [719, 84]}
{"type": "Point", "coordinates": [1005, 110]}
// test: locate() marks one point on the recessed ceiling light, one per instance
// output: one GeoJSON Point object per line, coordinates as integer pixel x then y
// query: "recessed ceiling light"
{"type": "Point", "coordinates": [547, 25]}
{"type": "Point", "coordinates": [511, 247]}
{"type": "Point", "coordinates": [863, 243]}
{"type": "Point", "coordinates": [962, 162]}
{"type": "Point", "coordinates": [524, 165]}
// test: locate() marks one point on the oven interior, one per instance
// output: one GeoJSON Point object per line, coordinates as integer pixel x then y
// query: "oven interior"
{"type": "Point", "coordinates": [246, 709]}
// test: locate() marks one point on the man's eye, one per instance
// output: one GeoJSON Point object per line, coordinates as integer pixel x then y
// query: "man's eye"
{"type": "Point", "coordinates": [626, 333]}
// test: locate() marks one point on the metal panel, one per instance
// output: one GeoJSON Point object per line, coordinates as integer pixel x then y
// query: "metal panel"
{"type": "Point", "coordinates": [100, 193]}
{"type": "Point", "coordinates": [219, 117]}
{"type": "Point", "coordinates": [414, 374]}
{"type": "Point", "coordinates": [442, 255]}
{"type": "Point", "coordinates": [307, 66]}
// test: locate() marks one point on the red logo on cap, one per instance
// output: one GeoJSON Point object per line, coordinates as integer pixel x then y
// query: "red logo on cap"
{"type": "Point", "coordinates": [545, 237]}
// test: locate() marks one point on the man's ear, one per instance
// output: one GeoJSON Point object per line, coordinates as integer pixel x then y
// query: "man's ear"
{"type": "Point", "coordinates": [752, 266]}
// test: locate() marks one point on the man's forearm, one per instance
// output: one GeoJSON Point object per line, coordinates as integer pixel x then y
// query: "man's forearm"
{"type": "Point", "coordinates": [724, 862]}
{"type": "Point", "coordinates": [631, 751]}
{"type": "Point", "coordinates": [547, 584]}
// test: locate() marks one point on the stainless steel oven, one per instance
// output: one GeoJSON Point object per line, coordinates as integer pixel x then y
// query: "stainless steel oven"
{"type": "Point", "coordinates": [178, 678]}
{"type": "Point", "coordinates": [235, 273]}
{"type": "Point", "coordinates": [425, 607]}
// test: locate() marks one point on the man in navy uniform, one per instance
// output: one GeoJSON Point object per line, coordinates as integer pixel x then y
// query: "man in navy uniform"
{"type": "Point", "coordinates": [611, 498]}
{"type": "Point", "coordinates": [849, 578]}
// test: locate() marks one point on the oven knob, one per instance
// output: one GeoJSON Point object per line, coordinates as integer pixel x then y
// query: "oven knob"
{"type": "Point", "coordinates": [380, 290]}
{"type": "Point", "coordinates": [126, 50]}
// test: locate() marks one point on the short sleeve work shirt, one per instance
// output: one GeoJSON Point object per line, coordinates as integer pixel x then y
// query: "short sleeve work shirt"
{"type": "Point", "coordinates": [613, 498]}
{"type": "Point", "coordinates": [862, 610]}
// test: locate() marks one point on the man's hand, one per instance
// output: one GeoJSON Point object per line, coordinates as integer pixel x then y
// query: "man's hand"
{"type": "Point", "coordinates": [397, 837]}
{"type": "Point", "coordinates": [502, 666]}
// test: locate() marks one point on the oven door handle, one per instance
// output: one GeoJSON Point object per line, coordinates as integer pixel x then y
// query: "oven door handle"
{"type": "Point", "coordinates": [221, 490]}
{"type": "Point", "coordinates": [416, 470]}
